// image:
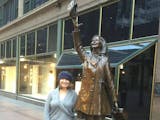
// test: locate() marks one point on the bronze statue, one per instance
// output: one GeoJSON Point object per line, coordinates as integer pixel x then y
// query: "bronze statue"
{"type": "Point", "coordinates": [97, 95]}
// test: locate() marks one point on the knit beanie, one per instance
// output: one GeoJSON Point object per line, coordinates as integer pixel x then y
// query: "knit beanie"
{"type": "Point", "coordinates": [65, 75]}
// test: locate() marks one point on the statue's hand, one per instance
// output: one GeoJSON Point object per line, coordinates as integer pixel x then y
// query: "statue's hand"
{"type": "Point", "coordinates": [115, 107]}
{"type": "Point", "coordinates": [115, 104]}
{"type": "Point", "coordinates": [72, 7]}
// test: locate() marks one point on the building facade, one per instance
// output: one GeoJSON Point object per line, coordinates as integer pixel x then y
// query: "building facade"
{"type": "Point", "coordinates": [36, 44]}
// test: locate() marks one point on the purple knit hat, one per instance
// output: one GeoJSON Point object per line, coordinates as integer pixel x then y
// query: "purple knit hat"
{"type": "Point", "coordinates": [65, 75]}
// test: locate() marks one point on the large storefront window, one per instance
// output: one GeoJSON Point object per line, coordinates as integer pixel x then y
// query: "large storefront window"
{"type": "Point", "coordinates": [38, 76]}
{"type": "Point", "coordinates": [8, 76]}
{"type": "Point", "coordinates": [116, 21]}
{"type": "Point", "coordinates": [146, 18]}
{"type": "Point", "coordinates": [89, 27]}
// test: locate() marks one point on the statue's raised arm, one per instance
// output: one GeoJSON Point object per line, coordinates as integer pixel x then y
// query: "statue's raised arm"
{"type": "Point", "coordinates": [72, 7]}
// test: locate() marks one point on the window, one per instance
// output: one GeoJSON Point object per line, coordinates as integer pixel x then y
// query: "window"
{"type": "Point", "coordinates": [89, 28]}
{"type": "Point", "coordinates": [10, 11]}
{"type": "Point", "coordinates": [39, 2]}
{"type": "Point", "coordinates": [37, 76]}
{"type": "Point", "coordinates": [117, 55]}
{"type": "Point", "coordinates": [8, 50]}
{"type": "Point", "coordinates": [31, 4]}
{"type": "Point", "coordinates": [52, 41]}
{"type": "Point", "coordinates": [8, 76]}
{"type": "Point", "coordinates": [68, 38]}
{"type": "Point", "coordinates": [41, 40]}
{"type": "Point", "coordinates": [1, 16]}
{"type": "Point", "coordinates": [26, 6]}
{"type": "Point", "coordinates": [146, 18]}
{"type": "Point", "coordinates": [31, 43]}
{"type": "Point", "coordinates": [22, 45]}
{"type": "Point", "coordinates": [2, 50]}
{"type": "Point", "coordinates": [14, 47]}
{"type": "Point", "coordinates": [116, 21]}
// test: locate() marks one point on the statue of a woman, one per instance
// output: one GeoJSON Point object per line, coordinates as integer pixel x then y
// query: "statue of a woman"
{"type": "Point", "coordinates": [97, 95]}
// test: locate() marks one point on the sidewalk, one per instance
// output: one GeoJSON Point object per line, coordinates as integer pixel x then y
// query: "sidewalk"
{"type": "Point", "coordinates": [11, 109]}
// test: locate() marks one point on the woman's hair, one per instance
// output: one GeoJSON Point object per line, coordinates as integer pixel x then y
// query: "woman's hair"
{"type": "Point", "coordinates": [104, 49]}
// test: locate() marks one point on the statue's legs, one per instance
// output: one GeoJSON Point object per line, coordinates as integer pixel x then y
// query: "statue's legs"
{"type": "Point", "coordinates": [83, 116]}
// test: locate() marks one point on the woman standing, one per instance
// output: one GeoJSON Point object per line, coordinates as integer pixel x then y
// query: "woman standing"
{"type": "Point", "coordinates": [60, 102]}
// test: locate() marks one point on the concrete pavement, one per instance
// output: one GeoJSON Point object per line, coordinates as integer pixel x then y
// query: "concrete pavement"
{"type": "Point", "coordinates": [11, 109]}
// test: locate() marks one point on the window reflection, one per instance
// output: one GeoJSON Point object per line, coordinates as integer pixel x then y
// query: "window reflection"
{"type": "Point", "coordinates": [130, 46]}
{"type": "Point", "coordinates": [90, 24]}
{"type": "Point", "coordinates": [31, 4]}
{"type": "Point", "coordinates": [116, 21]}
{"type": "Point", "coordinates": [68, 38]}
{"type": "Point", "coordinates": [89, 27]}
{"type": "Point", "coordinates": [2, 55]}
{"type": "Point", "coordinates": [31, 43]}
{"type": "Point", "coordinates": [8, 11]}
{"type": "Point", "coordinates": [68, 59]}
{"type": "Point", "coordinates": [14, 47]}
{"type": "Point", "coordinates": [8, 50]}
{"type": "Point", "coordinates": [116, 55]}
{"type": "Point", "coordinates": [119, 53]}
{"type": "Point", "coordinates": [41, 40]}
{"type": "Point", "coordinates": [52, 41]}
{"type": "Point", "coordinates": [146, 18]}
{"type": "Point", "coordinates": [22, 45]}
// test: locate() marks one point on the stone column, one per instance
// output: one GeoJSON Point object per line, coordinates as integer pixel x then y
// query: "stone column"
{"type": "Point", "coordinates": [155, 111]}
{"type": "Point", "coordinates": [20, 8]}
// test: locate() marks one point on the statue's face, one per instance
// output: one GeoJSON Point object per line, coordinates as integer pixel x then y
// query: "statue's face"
{"type": "Point", "coordinates": [96, 43]}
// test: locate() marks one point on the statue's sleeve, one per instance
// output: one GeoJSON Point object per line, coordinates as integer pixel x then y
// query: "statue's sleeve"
{"type": "Point", "coordinates": [77, 44]}
{"type": "Point", "coordinates": [110, 84]}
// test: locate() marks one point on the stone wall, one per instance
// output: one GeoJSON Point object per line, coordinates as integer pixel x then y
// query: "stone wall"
{"type": "Point", "coordinates": [155, 111]}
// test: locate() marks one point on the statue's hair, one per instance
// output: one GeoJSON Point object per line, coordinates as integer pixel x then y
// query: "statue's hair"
{"type": "Point", "coordinates": [104, 48]}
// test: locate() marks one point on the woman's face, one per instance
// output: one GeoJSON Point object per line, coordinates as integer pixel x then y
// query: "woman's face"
{"type": "Point", "coordinates": [96, 43]}
{"type": "Point", "coordinates": [64, 83]}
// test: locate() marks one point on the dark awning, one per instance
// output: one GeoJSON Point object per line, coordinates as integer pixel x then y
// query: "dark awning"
{"type": "Point", "coordinates": [117, 55]}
